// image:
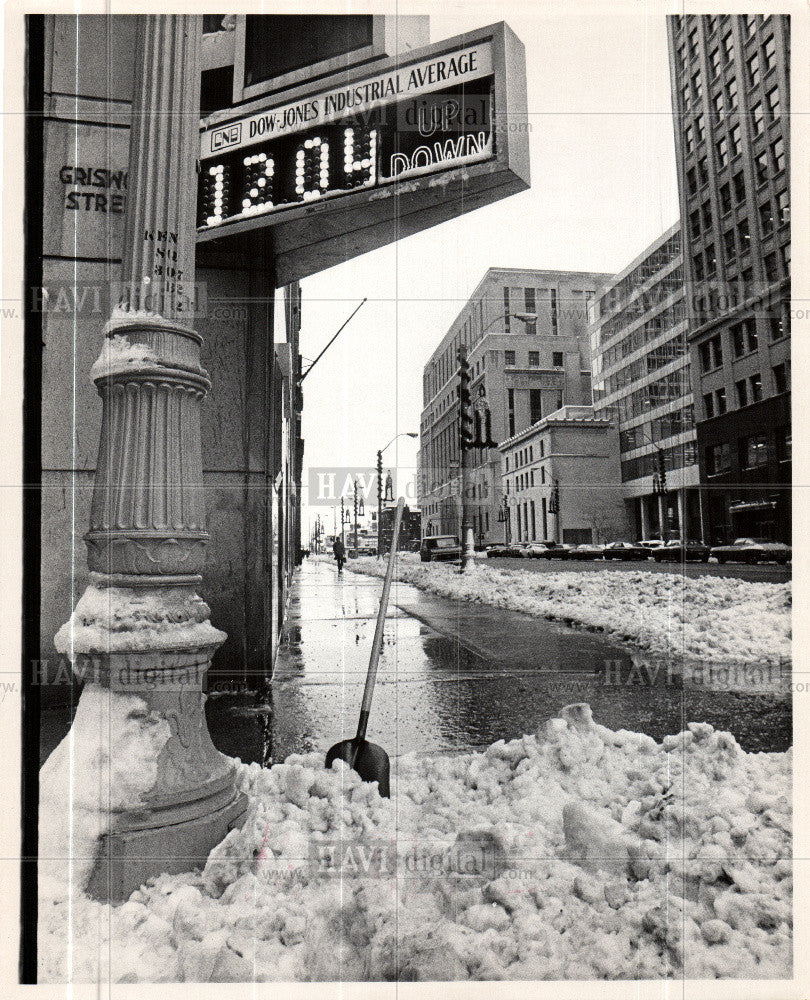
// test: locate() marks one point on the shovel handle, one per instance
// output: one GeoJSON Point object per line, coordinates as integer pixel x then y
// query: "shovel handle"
{"type": "Point", "coordinates": [376, 646]}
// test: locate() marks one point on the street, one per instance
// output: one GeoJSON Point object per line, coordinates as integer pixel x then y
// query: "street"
{"type": "Point", "coordinates": [764, 573]}
{"type": "Point", "coordinates": [456, 675]}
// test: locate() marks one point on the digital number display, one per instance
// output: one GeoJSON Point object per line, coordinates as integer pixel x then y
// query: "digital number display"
{"type": "Point", "coordinates": [405, 139]}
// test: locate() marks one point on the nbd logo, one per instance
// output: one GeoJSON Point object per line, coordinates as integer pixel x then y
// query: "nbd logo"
{"type": "Point", "coordinates": [223, 138]}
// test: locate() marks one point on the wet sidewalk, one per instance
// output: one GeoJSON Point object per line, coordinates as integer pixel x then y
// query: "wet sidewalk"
{"type": "Point", "coordinates": [455, 676]}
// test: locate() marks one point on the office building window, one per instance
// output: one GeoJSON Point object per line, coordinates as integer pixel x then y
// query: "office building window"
{"type": "Point", "coordinates": [509, 357]}
{"type": "Point", "coordinates": [735, 139]}
{"type": "Point", "coordinates": [731, 93]}
{"type": "Point", "coordinates": [535, 405]}
{"type": "Point", "coordinates": [771, 268]}
{"type": "Point", "coordinates": [507, 315]}
{"type": "Point", "coordinates": [553, 312]}
{"type": "Point", "coordinates": [777, 327]}
{"type": "Point", "coordinates": [693, 41]}
{"type": "Point", "coordinates": [711, 261]}
{"type": "Point", "coordinates": [718, 459]}
{"type": "Point", "coordinates": [686, 96]}
{"type": "Point", "coordinates": [761, 167]}
{"type": "Point", "coordinates": [691, 180]}
{"type": "Point", "coordinates": [703, 171]}
{"type": "Point", "coordinates": [769, 53]}
{"type": "Point", "coordinates": [534, 529]}
{"type": "Point", "coordinates": [755, 451]}
{"type": "Point", "coordinates": [725, 198]}
{"type": "Point", "coordinates": [780, 380]}
{"type": "Point", "coordinates": [534, 359]}
{"type": "Point", "coordinates": [744, 235]}
{"type": "Point", "coordinates": [557, 359]}
{"type": "Point", "coordinates": [752, 339]}
{"type": "Point", "coordinates": [755, 383]}
{"type": "Point", "coordinates": [750, 24]}
{"type": "Point", "coordinates": [739, 188]}
{"type": "Point", "coordinates": [728, 242]}
{"type": "Point", "coordinates": [757, 119]}
{"type": "Point", "coordinates": [722, 152]}
{"type": "Point", "coordinates": [717, 102]}
{"type": "Point", "coordinates": [742, 392]}
{"type": "Point", "coordinates": [697, 87]}
{"type": "Point", "coordinates": [708, 405]}
{"type": "Point", "coordinates": [774, 104]}
{"type": "Point", "coordinates": [783, 207]}
{"type": "Point", "coordinates": [784, 444]}
{"type": "Point", "coordinates": [529, 300]}
{"type": "Point", "coordinates": [510, 402]}
{"type": "Point", "coordinates": [738, 340]}
{"type": "Point", "coordinates": [720, 400]}
{"type": "Point", "coordinates": [714, 59]}
{"type": "Point", "coordinates": [697, 262]}
{"type": "Point", "coordinates": [753, 70]}
{"type": "Point", "coordinates": [785, 252]}
{"type": "Point", "coordinates": [766, 218]}
{"type": "Point", "coordinates": [542, 475]}
{"type": "Point", "coordinates": [778, 150]}
{"type": "Point", "coordinates": [706, 209]}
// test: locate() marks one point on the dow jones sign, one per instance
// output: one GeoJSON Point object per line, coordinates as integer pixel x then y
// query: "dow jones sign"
{"type": "Point", "coordinates": [357, 162]}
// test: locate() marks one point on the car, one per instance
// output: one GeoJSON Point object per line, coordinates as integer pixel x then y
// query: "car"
{"type": "Point", "coordinates": [436, 547]}
{"type": "Point", "coordinates": [651, 544]}
{"type": "Point", "coordinates": [588, 550]}
{"type": "Point", "coordinates": [624, 550]}
{"type": "Point", "coordinates": [536, 550]}
{"type": "Point", "coordinates": [752, 550]}
{"type": "Point", "coordinates": [496, 551]}
{"type": "Point", "coordinates": [678, 551]}
{"type": "Point", "coordinates": [514, 550]}
{"type": "Point", "coordinates": [556, 550]}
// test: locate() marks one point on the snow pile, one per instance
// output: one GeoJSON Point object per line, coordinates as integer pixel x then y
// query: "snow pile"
{"type": "Point", "coordinates": [706, 617]}
{"type": "Point", "coordinates": [110, 619]}
{"type": "Point", "coordinates": [578, 853]}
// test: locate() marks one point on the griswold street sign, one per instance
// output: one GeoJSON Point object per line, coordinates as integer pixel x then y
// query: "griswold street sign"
{"type": "Point", "coordinates": [341, 166]}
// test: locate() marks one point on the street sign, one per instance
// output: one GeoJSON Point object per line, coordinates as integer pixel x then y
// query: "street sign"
{"type": "Point", "coordinates": [342, 166]}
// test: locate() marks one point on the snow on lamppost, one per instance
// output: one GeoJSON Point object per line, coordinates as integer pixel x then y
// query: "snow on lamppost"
{"type": "Point", "coordinates": [149, 792]}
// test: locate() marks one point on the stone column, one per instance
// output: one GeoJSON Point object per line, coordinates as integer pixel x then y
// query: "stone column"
{"type": "Point", "coordinates": [140, 632]}
{"type": "Point", "coordinates": [683, 520]}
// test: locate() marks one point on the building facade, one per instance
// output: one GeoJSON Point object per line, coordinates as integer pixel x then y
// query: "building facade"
{"type": "Point", "coordinates": [730, 91]}
{"type": "Point", "coordinates": [641, 378]}
{"type": "Point", "coordinates": [560, 479]}
{"type": "Point", "coordinates": [526, 336]}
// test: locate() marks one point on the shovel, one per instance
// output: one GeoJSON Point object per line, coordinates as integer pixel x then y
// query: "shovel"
{"type": "Point", "coordinates": [367, 759]}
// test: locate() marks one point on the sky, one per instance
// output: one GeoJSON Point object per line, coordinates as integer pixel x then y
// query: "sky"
{"type": "Point", "coordinates": [603, 187]}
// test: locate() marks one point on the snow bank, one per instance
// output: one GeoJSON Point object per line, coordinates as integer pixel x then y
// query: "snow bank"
{"type": "Point", "coordinates": [706, 617]}
{"type": "Point", "coordinates": [577, 853]}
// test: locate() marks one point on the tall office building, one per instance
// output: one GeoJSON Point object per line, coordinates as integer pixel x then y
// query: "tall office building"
{"type": "Point", "coordinates": [527, 340]}
{"type": "Point", "coordinates": [730, 76]}
{"type": "Point", "coordinates": [641, 379]}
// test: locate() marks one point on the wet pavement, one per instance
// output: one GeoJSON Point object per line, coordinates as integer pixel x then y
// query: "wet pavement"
{"type": "Point", "coordinates": [455, 676]}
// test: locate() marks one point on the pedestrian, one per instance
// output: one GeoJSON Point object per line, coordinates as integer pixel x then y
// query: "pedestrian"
{"type": "Point", "coordinates": [340, 554]}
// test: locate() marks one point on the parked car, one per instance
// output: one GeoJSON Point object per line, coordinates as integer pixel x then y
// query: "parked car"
{"type": "Point", "coordinates": [588, 550]}
{"type": "Point", "coordinates": [752, 550]}
{"type": "Point", "coordinates": [536, 550]}
{"type": "Point", "coordinates": [514, 550]}
{"type": "Point", "coordinates": [651, 544]}
{"type": "Point", "coordinates": [436, 547]}
{"type": "Point", "coordinates": [678, 551]}
{"type": "Point", "coordinates": [496, 551]}
{"type": "Point", "coordinates": [556, 550]}
{"type": "Point", "coordinates": [624, 550]}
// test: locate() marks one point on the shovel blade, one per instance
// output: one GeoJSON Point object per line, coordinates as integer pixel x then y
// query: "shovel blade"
{"type": "Point", "coordinates": [366, 759]}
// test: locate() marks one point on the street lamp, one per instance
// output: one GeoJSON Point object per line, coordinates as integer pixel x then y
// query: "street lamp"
{"type": "Point", "coordinates": [524, 317]}
{"type": "Point", "coordinates": [505, 517]}
{"type": "Point", "coordinates": [410, 434]}
{"type": "Point", "coordinates": [359, 508]}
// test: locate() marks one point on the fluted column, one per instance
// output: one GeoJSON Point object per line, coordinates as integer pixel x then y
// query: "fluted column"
{"type": "Point", "coordinates": [165, 795]}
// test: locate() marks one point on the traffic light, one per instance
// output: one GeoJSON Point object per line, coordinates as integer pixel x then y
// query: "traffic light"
{"type": "Point", "coordinates": [662, 472]}
{"type": "Point", "coordinates": [465, 423]}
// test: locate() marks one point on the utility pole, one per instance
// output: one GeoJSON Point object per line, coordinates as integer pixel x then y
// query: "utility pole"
{"type": "Point", "coordinates": [355, 518]}
{"type": "Point", "coordinates": [465, 442]}
{"type": "Point", "coordinates": [660, 489]}
{"type": "Point", "coordinates": [379, 502]}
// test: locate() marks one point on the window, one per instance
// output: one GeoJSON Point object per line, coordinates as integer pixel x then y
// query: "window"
{"type": "Point", "coordinates": [742, 392]}
{"type": "Point", "coordinates": [703, 170]}
{"type": "Point", "coordinates": [722, 152]}
{"type": "Point", "coordinates": [783, 206]}
{"type": "Point", "coordinates": [534, 359]}
{"type": "Point", "coordinates": [725, 198]}
{"type": "Point", "coordinates": [553, 312]}
{"type": "Point", "coordinates": [784, 446]}
{"type": "Point", "coordinates": [506, 310]}
{"type": "Point", "coordinates": [753, 69]}
{"type": "Point", "coordinates": [529, 300]}
{"type": "Point", "coordinates": [717, 102]}
{"type": "Point", "coordinates": [757, 119]}
{"type": "Point", "coordinates": [736, 142]}
{"type": "Point", "coordinates": [509, 358]}
{"type": "Point", "coordinates": [689, 139]}
{"type": "Point", "coordinates": [700, 128]}
{"type": "Point", "coordinates": [744, 235]}
{"type": "Point", "coordinates": [543, 475]}
{"type": "Point", "coordinates": [693, 37]}
{"type": "Point", "coordinates": [535, 405]}
{"type": "Point", "coordinates": [531, 478]}
{"type": "Point", "coordinates": [706, 209]}
{"type": "Point", "coordinates": [711, 261]}
{"type": "Point", "coordinates": [755, 382]}
{"type": "Point", "coordinates": [771, 269]}
{"type": "Point", "coordinates": [557, 359]}
{"type": "Point", "coordinates": [738, 340]}
{"type": "Point", "coordinates": [694, 222]}
{"type": "Point", "coordinates": [708, 405]}
{"type": "Point", "coordinates": [697, 261]}
{"type": "Point", "coordinates": [697, 87]}
{"type": "Point", "coordinates": [755, 451]}
{"type": "Point", "coordinates": [728, 47]}
{"type": "Point", "coordinates": [777, 326]}
{"type": "Point", "coordinates": [780, 381]}
{"type": "Point", "coordinates": [711, 354]}
{"type": "Point", "coordinates": [750, 327]}
{"type": "Point", "coordinates": [778, 150]}
{"type": "Point", "coordinates": [720, 399]}
{"type": "Point", "coordinates": [769, 53]}
{"type": "Point", "coordinates": [785, 252]}
{"type": "Point", "coordinates": [750, 24]}
{"type": "Point", "coordinates": [739, 188]}
{"type": "Point", "coordinates": [686, 95]}
{"type": "Point", "coordinates": [766, 218]}
{"type": "Point", "coordinates": [728, 241]}
{"type": "Point", "coordinates": [714, 59]}
{"type": "Point", "coordinates": [691, 180]}
{"type": "Point", "coordinates": [731, 92]}
{"type": "Point", "coordinates": [510, 403]}
{"type": "Point", "coordinates": [774, 104]}
{"type": "Point", "coordinates": [761, 167]}
{"type": "Point", "coordinates": [718, 458]}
